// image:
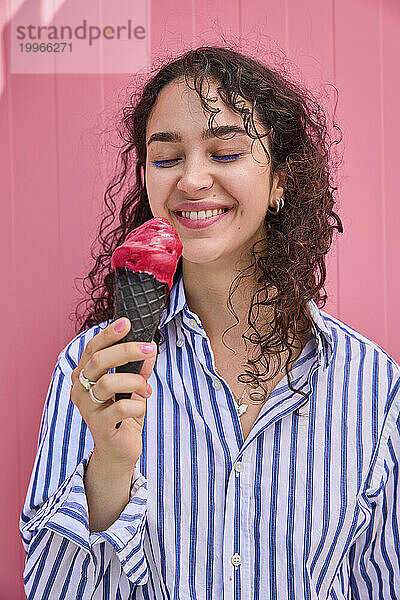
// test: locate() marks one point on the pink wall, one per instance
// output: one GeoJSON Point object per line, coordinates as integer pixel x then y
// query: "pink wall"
{"type": "Point", "coordinates": [55, 163]}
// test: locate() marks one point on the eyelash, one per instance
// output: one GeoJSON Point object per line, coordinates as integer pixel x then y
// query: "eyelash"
{"type": "Point", "coordinates": [159, 163]}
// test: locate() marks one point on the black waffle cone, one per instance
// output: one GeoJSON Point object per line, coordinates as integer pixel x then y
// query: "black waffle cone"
{"type": "Point", "coordinates": [141, 298]}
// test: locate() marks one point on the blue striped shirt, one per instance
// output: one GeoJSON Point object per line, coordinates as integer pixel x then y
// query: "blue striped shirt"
{"type": "Point", "coordinates": [306, 507]}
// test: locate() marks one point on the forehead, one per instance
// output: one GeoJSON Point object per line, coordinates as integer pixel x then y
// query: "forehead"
{"type": "Point", "coordinates": [178, 105]}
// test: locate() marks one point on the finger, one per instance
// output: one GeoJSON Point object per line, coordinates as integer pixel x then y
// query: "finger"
{"type": "Point", "coordinates": [148, 364]}
{"type": "Point", "coordinates": [113, 383]}
{"type": "Point", "coordinates": [120, 354]}
{"type": "Point", "coordinates": [105, 338]}
{"type": "Point", "coordinates": [125, 409]}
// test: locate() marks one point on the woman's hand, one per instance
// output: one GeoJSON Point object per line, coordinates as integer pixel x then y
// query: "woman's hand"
{"type": "Point", "coordinates": [122, 446]}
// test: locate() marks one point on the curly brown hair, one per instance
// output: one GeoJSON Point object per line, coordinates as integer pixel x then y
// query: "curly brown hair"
{"type": "Point", "coordinates": [291, 259]}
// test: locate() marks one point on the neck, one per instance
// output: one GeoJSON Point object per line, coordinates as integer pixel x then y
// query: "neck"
{"type": "Point", "coordinates": [207, 292]}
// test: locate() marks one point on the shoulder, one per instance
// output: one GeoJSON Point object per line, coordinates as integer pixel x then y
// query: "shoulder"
{"type": "Point", "coordinates": [360, 371]}
{"type": "Point", "coordinates": [366, 361]}
{"type": "Point", "coordinates": [345, 332]}
{"type": "Point", "coordinates": [70, 356]}
{"type": "Point", "coordinates": [369, 380]}
{"type": "Point", "coordinates": [354, 346]}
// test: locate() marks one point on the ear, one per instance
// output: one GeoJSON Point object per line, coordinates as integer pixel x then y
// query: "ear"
{"type": "Point", "coordinates": [277, 189]}
{"type": "Point", "coordinates": [278, 184]}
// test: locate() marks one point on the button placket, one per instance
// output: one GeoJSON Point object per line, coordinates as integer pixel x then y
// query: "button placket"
{"type": "Point", "coordinates": [238, 466]}
{"type": "Point", "coordinates": [192, 325]}
{"type": "Point", "coordinates": [236, 560]}
{"type": "Point", "coordinates": [217, 385]}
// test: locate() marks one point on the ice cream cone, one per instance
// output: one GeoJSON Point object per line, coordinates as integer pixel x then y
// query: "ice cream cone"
{"type": "Point", "coordinates": [141, 298]}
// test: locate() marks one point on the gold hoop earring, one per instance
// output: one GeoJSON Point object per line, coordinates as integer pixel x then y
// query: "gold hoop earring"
{"type": "Point", "coordinates": [278, 205]}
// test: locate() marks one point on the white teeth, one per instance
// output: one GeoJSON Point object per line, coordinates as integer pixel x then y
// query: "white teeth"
{"type": "Point", "coordinates": [202, 214]}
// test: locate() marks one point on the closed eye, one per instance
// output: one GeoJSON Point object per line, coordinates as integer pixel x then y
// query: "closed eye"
{"type": "Point", "coordinates": [219, 158]}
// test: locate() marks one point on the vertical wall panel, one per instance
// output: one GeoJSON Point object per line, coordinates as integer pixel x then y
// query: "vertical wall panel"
{"type": "Point", "coordinates": [79, 102]}
{"type": "Point", "coordinates": [263, 23]}
{"type": "Point", "coordinates": [36, 243]}
{"type": "Point", "coordinates": [361, 246]}
{"type": "Point", "coordinates": [311, 47]}
{"type": "Point", "coordinates": [36, 207]}
{"type": "Point", "coordinates": [172, 28]}
{"type": "Point", "coordinates": [387, 201]}
{"type": "Point", "coordinates": [214, 21]}
{"type": "Point", "coordinates": [11, 555]}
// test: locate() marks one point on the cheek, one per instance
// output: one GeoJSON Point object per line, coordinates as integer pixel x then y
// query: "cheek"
{"type": "Point", "coordinates": [155, 192]}
{"type": "Point", "coordinates": [159, 184]}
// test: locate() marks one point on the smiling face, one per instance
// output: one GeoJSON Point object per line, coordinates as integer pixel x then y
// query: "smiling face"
{"type": "Point", "coordinates": [190, 172]}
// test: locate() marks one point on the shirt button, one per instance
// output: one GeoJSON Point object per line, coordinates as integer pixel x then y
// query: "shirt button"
{"type": "Point", "coordinates": [236, 560]}
{"type": "Point", "coordinates": [193, 323]}
{"type": "Point", "coordinates": [217, 385]}
{"type": "Point", "coordinates": [238, 467]}
{"type": "Point", "coordinates": [180, 343]}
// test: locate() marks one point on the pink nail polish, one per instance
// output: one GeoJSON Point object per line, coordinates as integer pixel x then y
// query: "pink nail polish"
{"type": "Point", "coordinates": [120, 326]}
{"type": "Point", "coordinates": [147, 349]}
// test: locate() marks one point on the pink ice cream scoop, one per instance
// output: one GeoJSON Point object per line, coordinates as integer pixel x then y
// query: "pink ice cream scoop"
{"type": "Point", "coordinates": [153, 248]}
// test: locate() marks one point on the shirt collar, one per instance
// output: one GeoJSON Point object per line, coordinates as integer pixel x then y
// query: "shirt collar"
{"type": "Point", "coordinates": [321, 333]}
{"type": "Point", "coordinates": [177, 301]}
{"type": "Point", "coordinates": [320, 329]}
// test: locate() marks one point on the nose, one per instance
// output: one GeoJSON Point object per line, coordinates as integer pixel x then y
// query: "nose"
{"type": "Point", "coordinates": [195, 176]}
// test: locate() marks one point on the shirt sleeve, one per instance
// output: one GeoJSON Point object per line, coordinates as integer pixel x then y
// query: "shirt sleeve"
{"type": "Point", "coordinates": [62, 556]}
{"type": "Point", "coordinates": [375, 556]}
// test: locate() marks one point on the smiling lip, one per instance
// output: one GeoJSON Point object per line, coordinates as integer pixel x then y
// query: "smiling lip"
{"type": "Point", "coordinates": [202, 223]}
{"type": "Point", "coordinates": [197, 206]}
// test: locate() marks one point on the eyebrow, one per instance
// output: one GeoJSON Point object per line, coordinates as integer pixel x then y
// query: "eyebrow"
{"type": "Point", "coordinates": [174, 136]}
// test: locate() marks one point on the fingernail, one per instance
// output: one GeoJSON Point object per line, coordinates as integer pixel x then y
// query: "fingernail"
{"type": "Point", "coordinates": [147, 349]}
{"type": "Point", "coordinates": [120, 326]}
{"type": "Point", "coordinates": [149, 390]}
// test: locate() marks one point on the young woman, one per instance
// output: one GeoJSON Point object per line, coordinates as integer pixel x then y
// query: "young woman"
{"type": "Point", "coordinates": [260, 461]}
